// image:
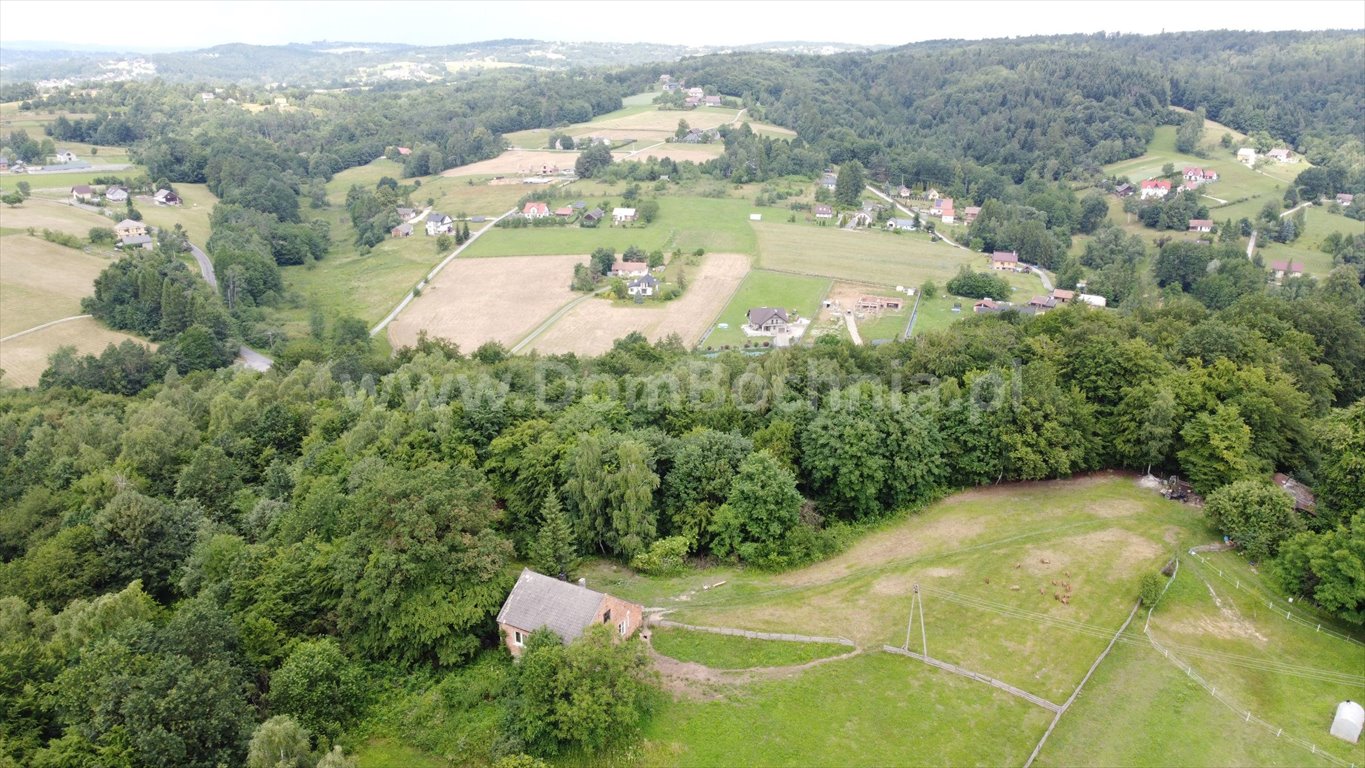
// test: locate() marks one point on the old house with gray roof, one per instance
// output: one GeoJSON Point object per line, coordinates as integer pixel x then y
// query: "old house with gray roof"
{"type": "Point", "coordinates": [567, 609]}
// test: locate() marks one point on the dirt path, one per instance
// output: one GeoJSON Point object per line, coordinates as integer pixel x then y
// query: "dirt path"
{"type": "Point", "coordinates": [852, 327]}
{"type": "Point", "coordinates": [697, 681]}
{"type": "Point", "coordinates": [44, 325]}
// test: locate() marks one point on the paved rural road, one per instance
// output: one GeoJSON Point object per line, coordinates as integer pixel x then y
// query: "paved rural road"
{"type": "Point", "coordinates": [435, 270]}
{"type": "Point", "coordinates": [552, 319]}
{"type": "Point", "coordinates": [248, 357]}
{"type": "Point", "coordinates": [91, 169]}
{"type": "Point", "coordinates": [1251, 244]}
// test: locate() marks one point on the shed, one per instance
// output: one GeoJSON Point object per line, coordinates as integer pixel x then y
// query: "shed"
{"type": "Point", "coordinates": [1349, 720]}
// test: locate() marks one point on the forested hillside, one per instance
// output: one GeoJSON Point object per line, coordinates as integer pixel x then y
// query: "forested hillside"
{"type": "Point", "coordinates": [238, 525]}
{"type": "Point", "coordinates": [1055, 107]}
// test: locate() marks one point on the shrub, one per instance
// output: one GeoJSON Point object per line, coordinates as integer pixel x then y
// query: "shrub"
{"type": "Point", "coordinates": [665, 557]}
{"type": "Point", "coordinates": [1150, 590]}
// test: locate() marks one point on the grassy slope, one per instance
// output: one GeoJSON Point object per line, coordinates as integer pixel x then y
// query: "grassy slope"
{"type": "Point", "coordinates": [729, 652]}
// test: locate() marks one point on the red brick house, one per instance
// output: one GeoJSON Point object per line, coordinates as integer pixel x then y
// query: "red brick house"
{"type": "Point", "coordinates": [539, 601]}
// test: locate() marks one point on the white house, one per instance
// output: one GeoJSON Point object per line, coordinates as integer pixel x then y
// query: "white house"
{"type": "Point", "coordinates": [1155, 188]}
{"type": "Point", "coordinates": [66, 156]}
{"type": "Point", "coordinates": [907, 225]}
{"type": "Point", "coordinates": [1246, 155]}
{"type": "Point", "coordinates": [643, 286]}
{"type": "Point", "coordinates": [622, 215]}
{"type": "Point", "coordinates": [116, 195]}
{"type": "Point", "coordinates": [439, 224]}
{"type": "Point", "coordinates": [1092, 299]}
{"type": "Point", "coordinates": [535, 210]}
{"type": "Point", "coordinates": [1282, 155]}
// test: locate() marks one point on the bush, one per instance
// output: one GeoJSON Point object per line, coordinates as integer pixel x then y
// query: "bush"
{"type": "Point", "coordinates": [978, 285]}
{"type": "Point", "coordinates": [1150, 590]}
{"type": "Point", "coordinates": [665, 557]}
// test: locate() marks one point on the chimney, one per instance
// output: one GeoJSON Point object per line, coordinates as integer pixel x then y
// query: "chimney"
{"type": "Point", "coordinates": [583, 583]}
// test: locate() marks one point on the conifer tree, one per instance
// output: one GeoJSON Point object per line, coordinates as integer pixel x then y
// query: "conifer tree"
{"type": "Point", "coordinates": [554, 551]}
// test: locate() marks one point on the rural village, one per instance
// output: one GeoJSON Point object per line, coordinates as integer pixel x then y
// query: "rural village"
{"type": "Point", "coordinates": [492, 408]}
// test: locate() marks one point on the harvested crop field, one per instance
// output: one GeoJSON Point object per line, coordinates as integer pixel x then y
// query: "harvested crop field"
{"type": "Point", "coordinates": [697, 153]}
{"type": "Point", "coordinates": [517, 161]}
{"type": "Point", "coordinates": [42, 281]}
{"type": "Point", "coordinates": [591, 327]}
{"type": "Point", "coordinates": [477, 300]}
{"type": "Point", "coordinates": [24, 359]}
{"type": "Point", "coordinates": [48, 214]}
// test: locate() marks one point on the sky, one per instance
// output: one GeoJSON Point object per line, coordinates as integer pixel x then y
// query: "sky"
{"type": "Point", "coordinates": [202, 23]}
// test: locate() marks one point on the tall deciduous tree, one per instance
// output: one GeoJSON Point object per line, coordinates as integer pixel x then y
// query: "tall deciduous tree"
{"type": "Point", "coordinates": [848, 185]}
{"type": "Point", "coordinates": [1254, 514]}
{"type": "Point", "coordinates": [1217, 448]}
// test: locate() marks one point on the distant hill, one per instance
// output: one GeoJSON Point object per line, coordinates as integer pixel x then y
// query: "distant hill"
{"type": "Point", "coordinates": [334, 64]}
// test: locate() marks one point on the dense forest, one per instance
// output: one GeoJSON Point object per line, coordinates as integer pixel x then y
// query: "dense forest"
{"type": "Point", "coordinates": [241, 525]}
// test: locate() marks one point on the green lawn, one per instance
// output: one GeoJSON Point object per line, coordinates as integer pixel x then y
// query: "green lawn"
{"type": "Point", "coordinates": [60, 184]}
{"type": "Point", "coordinates": [889, 326]}
{"type": "Point", "coordinates": [193, 214]}
{"type": "Point", "coordinates": [1245, 190]}
{"type": "Point", "coordinates": [717, 225]}
{"type": "Point", "coordinates": [869, 256]}
{"type": "Point", "coordinates": [937, 313]}
{"type": "Point", "coordinates": [767, 289]}
{"type": "Point", "coordinates": [1318, 224]}
{"type": "Point", "coordinates": [729, 652]}
{"type": "Point", "coordinates": [875, 709]}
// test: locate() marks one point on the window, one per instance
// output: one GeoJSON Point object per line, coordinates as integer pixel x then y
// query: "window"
{"type": "Point", "coordinates": [622, 628]}
{"type": "Point", "coordinates": [518, 639]}
{"type": "Point", "coordinates": [606, 617]}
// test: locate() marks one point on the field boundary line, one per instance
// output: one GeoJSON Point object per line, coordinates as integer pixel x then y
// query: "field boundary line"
{"type": "Point", "coordinates": [555, 317]}
{"type": "Point", "coordinates": [412, 293]}
{"type": "Point", "coordinates": [720, 312]}
{"type": "Point", "coordinates": [1072, 698]}
{"type": "Point", "coordinates": [44, 325]}
{"type": "Point", "coordinates": [753, 635]}
{"type": "Point", "coordinates": [977, 676]}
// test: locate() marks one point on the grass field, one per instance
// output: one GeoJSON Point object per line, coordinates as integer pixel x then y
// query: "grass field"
{"type": "Point", "coordinates": [1318, 224]}
{"type": "Point", "coordinates": [1246, 190]}
{"type": "Point", "coordinates": [192, 214]}
{"type": "Point", "coordinates": [730, 652]}
{"type": "Point", "coordinates": [42, 281]}
{"type": "Point", "coordinates": [24, 359]}
{"type": "Point", "coordinates": [41, 214]}
{"type": "Point", "coordinates": [937, 313]}
{"type": "Point", "coordinates": [869, 256]}
{"type": "Point", "coordinates": [720, 225]}
{"type": "Point", "coordinates": [1098, 534]}
{"type": "Point", "coordinates": [766, 289]}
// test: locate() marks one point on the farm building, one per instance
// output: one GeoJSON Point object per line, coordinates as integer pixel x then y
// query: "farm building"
{"type": "Point", "coordinates": [1246, 155]}
{"type": "Point", "coordinates": [592, 218]}
{"type": "Point", "coordinates": [538, 601]}
{"type": "Point", "coordinates": [1344, 199]}
{"type": "Point", "coordinates": [1201, 225]}
{"type": "Point", "coordinates": [905, 225]}
{"type": "Point", "coordinates": [166, 197]}
{"type": "Point", "coordinates": [66, 156]}
{"type": "Point", "coordinates": [970, 213]}
{"type": "Point", "coordinates": [829, 180]}
{"type": "Point", "coordinates": [622, 215]}
{"type": "Point", "coordinates": [404, 213]}
{"type": "Point", "coordinates": [986, 306]}
{"type": "Point", "coordinates": [82, 193]}
{"type": "Point", "coordinates": [136, 241]}
{"type": "Point", "coordinates": [1063, 296]}
{"type": "Point", "coordinates": [1123, 190]}
{"type": "Point", "coordinates": [402, 230]}
{"type": "Point", "coordinates": [1348, 722]}
{"type": "Point", "coordinates": [1004, 260]}
{"type": "Point", "coordinates": [1092, 299]}
{"type": "Point", "coordinates": [116, 195]}
{"type": "Point", "coordinates": [1282, 155]}
{"type": "Point", "coordinates": [1042, 303]}
{"type": "Point", "coordinates": [564, 212]}
{"type": "Point", "coordinates": [768, 320]}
